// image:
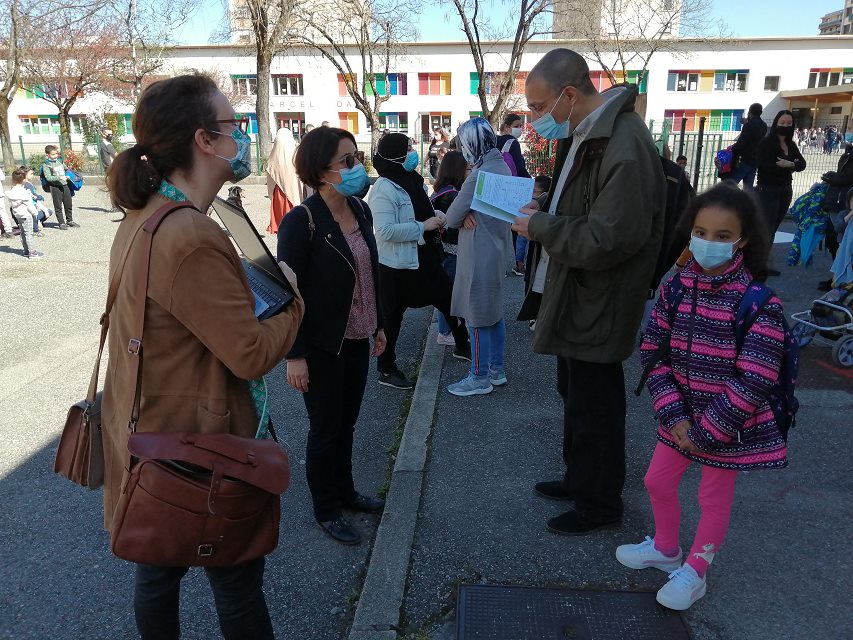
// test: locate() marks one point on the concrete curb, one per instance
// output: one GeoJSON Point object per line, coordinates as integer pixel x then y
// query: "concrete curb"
{"type": "Point", "coordinates": [377, 615]}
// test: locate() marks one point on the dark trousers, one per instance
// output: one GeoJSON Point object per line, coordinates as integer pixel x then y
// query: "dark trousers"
{"type": "Point", "coordinates": [62, 198]}
{"type": "Point", "coordinates": [745, 172]}
{"type": "Point", "coordinates": [593, 435]}
{"type": "Point", "coordinates": [775, 201]}
{"type": "Point", "coordinates": [238, 592]}
{"type": "Point", "coordinates": [335, 390]}
{"type": "Point", "coordinates": [402, 289]}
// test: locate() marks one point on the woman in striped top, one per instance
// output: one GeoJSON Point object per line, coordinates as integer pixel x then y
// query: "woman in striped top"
{"type": "Point", "coordinates": [710, 399]}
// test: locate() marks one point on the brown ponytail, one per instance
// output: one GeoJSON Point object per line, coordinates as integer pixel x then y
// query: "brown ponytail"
{"type": "Point", "coordinates": [168, 114]}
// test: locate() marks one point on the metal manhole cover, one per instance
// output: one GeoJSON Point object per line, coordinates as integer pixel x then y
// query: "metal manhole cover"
{"type": "Point", "coordinates": [487, 612]}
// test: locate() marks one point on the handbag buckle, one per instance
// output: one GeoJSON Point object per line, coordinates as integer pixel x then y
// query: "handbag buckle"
{"type": "Point", "coordinates": [133, 346]}
{"type": "Point", "coordinates": [205, 550]}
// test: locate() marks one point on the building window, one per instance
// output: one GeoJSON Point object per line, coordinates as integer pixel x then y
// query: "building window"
{"type": "Point", "coordinates": [394, 122]}
{"type": "Point", "coordinates": [40, 125]}
{"type": "Point", "coordinates": [349, 121]}
{"type": "Point", "coordinates": [76, 124]}
{"type": "Point", "coordinates": [394, 84]}
{"type": "Point", "coordinates": [342, 83]}
{"type": "Point", "coordinates": [293, 121]}
{"type": "Point", "coordinates": [847, 78]}
{"type": "Point", "coordinates": [730, 80]}
{"type": "Point", "coordinates": [245, 85]}
{"type": "Point", "coordinates": [434, 84]}
{"type": "Point", "coordinates": [716, 120]}
{"type": "Point", "coordinates": [475, 114]}
{"type": "Point", "coordinates": [288, 85]}
{"type": "Point", "coordinates": [829, 77]}
{"type": "Point", "coordinates": [835, 111]}
{"type": "Point", "coordinates": [683, 81]}
{"type": "Point", "coordinates": [771, 83]}
{"type": "Point", "coordinates": [494, 80]}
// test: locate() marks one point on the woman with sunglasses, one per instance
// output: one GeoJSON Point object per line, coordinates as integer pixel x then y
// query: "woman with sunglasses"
{"type": "Point", "coordinates": [202, 340]}
{"type": "Point", "coordinates": [328, 241]}
{"type": "Point", "coordinates": [410, 253]}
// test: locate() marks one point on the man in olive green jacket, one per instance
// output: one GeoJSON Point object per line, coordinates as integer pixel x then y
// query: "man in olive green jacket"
{"type": "Point", "coordinates": [597, 241]}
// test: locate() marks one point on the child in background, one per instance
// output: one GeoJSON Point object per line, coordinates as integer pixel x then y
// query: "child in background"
{"type": "Point", "coordinates": [710, 399]}
{"type": "Point", "coordinates": [25, 212]}
{"type": "Point", "coordinates": [681, 161]}
{"type": "Point", "coordinates": [541, 187]}
{"type": "Point", "coordinates": [5, 220]}
{"type": "Point", "coordinates": [54, 172]}
{"type": "Point", "coordinates": [38, 200]}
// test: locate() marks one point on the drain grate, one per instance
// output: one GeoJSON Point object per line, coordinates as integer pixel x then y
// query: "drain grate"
{"type": "Point", "coordinates": [488, 612]}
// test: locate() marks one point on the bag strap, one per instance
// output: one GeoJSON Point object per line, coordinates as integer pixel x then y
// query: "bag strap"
{"type": "Point", "coordinates": [134, 344]}
{"type": "Point", "coordinates": [507, 146]}
{"type": "Point", "coordinates": [751, 303]}
{"type": "Point", "coordinates": [443, 191]}
{"type": "Point", "coordinates": [311, 225]}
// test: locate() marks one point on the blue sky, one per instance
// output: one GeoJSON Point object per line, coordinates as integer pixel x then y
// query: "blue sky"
{"type": "Point", "coordinates": [744, 18]}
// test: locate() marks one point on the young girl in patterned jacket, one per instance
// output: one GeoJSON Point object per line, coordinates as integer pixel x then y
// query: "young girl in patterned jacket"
{"type": "Point", "coordinates": [710, 399]}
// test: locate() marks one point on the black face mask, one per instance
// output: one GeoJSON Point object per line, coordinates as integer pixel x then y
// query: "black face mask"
{"type": "Point", "coordinates": [785, 131]}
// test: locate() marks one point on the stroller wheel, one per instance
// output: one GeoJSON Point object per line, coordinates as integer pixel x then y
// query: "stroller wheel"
{"type": "Point", "coordinates": [802, 333]}
{"type": "Point", "coordinates": [842, 352]}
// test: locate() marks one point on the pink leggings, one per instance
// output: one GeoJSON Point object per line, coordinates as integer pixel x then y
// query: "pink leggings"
{"type": "Point", "coordinates": [716, 492]}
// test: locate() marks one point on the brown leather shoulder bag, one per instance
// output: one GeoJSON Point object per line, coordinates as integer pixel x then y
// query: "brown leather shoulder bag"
{"type": "Point", "coordinates": [191, 499]}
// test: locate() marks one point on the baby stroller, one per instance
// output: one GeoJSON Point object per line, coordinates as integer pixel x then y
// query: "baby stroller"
{"type": "Point", "coordinates": [829, 320]}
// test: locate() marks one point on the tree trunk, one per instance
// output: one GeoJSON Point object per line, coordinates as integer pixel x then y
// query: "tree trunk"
{"type": "Point", "coordinates": [64, 129]}
{"type": "Point", "coordinates": [375, 133]}
{"type": "Point", "coordinates": [262, 103]}
{"type": "Point", "coordinates": [5, 136]}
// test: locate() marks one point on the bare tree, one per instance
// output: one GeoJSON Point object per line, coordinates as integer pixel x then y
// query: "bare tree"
{"type": "Point", "coordinates": [624, 35]}
{"type": "Point", "coordinates": [265, 25]}
{"type": "Point", "coordinates": [78, 60]}
{"type": "Point", "coordinates": [146, 28]}
{"type": "Point", "coordinates": [362, 47]}
{"type": "Point", "coordinates": [10, 69]}
{"type": "Point", "coordinates": [496, 88]}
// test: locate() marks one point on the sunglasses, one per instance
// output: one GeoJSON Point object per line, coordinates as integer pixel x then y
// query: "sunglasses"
{"type": "Point", "coordinates": [349, 160]}
{"type": "Point", "coordinates": [241, 123]}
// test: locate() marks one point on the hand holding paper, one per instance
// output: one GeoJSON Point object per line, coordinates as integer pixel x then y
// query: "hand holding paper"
{"type": "Point", "coordinates": [501, 197]}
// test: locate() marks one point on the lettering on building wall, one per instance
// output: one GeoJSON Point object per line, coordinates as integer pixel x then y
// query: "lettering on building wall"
{"type": "Point", "coordinates": [292, 105]}
{"type": "Point", "coordinates": [346, 104]}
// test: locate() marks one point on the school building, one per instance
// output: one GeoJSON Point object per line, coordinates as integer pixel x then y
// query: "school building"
{"type": "Point", "coordinates": [435, 84]}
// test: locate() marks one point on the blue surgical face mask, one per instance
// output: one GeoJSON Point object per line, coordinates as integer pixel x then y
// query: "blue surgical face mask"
{"type": "Point", "coordinates": [411, 161]}
{"type": "Point", "coordinates": [710, 255]}
{"type": "Point", "coordinates": [549, 128]}
{"type": "Point", "coordinates": [353, 180]}
{"type": "Point", "coordinates": [241, 164]}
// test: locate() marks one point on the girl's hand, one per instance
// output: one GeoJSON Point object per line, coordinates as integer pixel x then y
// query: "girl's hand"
{"type": "Point", "coordinates": [679, 431]}
{"type": "Point", "coordinates": [379, 342]}
{"type": "Point", "coordinates": [297, 374]}
{"type": "Point", "coordinates": [784, 164]}
{"type": "Point", "coordinates": [431, 224]}
{"type": "Point", "coordinates": [470, 222]}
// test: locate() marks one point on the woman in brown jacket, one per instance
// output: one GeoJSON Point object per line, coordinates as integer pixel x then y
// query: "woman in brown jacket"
{"type": "Point", "coordinates": [202, 341]}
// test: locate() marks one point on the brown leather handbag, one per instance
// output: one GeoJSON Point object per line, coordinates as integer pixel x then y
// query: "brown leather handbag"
{"type": "Point", "coordinates": [80, 454]}
{"type": "Point", "coordinates": [191, 499]}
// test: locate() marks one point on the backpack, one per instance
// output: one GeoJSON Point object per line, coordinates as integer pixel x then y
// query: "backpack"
{"type": "Point", "coordinates": [507, 156]}
{"type": "Point", "coordinates": [679, 193]}
{"type": "Point", "coordinates": [724, 161]}
{"type": "Point", "coordinates": [782, 401]}
{"type": "Point", "coordinates": [45, 185]}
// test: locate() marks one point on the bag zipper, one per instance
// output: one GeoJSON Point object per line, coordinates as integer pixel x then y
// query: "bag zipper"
{"type": "Point", "coordinates": [355, 275]}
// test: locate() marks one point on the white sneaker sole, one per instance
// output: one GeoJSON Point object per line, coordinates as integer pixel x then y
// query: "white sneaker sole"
{"type": "Point", "coordinates": [666, 567]}
{"type": "Point", "coordinates": [680, 606]}
{"type": "Point", "coordinates": [471, 392]}
{"type": "Point", "coordinates": [498, 382]}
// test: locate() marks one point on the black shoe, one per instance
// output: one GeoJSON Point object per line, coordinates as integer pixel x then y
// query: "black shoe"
{"type": "Point", "coordinates": [341, 531]}
{"type": "Point", "coordinates": [396, 379]}
{"type": "Point", "coordinates": [773, 272]}
{"type": "Point", "coordinates": [71, 223]}
{"type": "Point", "coordinates": [825, 285]}
{"type": "Point", "coordinates": [553, 490]}
{"type": "Point", "coordinates": [366, 504]}
{"type": "Point", "coordinates": [573, 523]}
{"type": "Point", "coordinates": [463, 352]}
{"type": "Point", "coordinates": [63, 226]}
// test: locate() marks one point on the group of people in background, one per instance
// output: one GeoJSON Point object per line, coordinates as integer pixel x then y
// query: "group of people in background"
{"type": "Point", "coordinates": [826, 139]}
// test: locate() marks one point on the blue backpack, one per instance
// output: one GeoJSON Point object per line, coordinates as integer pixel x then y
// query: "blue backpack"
{"type": "Point", "coordinates": [782, 401]}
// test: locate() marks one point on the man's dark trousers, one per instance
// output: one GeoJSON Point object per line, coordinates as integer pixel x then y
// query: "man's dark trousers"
{"type": "Point", "coordinates": [593, 436]}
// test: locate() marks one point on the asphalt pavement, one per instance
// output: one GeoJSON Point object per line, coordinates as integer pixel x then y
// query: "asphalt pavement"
{"type": "Point", "coordinates": [58, 579]}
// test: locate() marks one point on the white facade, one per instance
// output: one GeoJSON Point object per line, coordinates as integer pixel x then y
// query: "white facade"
{"type": "Point", "coordinates": [772, 67]}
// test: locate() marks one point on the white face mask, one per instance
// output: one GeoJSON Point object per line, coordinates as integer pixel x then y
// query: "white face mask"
{"type": "Point", "coordinates": [516, 132]}
{"type": "Point", "coordinates": [709, 254]}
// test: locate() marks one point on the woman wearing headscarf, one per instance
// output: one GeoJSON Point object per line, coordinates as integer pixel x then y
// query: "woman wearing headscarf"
{"type": "Point", "coordinates": [410, 253]}
{"type": "Point", "coordinates": [778, 158]}
{"type": "Point", "coordinates": [283, 186]}
{"type": "Point", "coordinates": [484, 253]}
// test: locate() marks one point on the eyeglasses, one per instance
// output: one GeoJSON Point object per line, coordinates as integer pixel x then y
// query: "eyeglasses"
{"type": "Point", "coordinates": [241, 123]}
{"type": "Point", "coordinates": [349, 160]}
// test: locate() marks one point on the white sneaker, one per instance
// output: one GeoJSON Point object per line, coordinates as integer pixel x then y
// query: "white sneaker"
{"type": "Point", "coordinates": [471, 386]}
{"type": "Point", "coordinates": [644, 556]}
{"type": "Point", "coordinates": [445, 339]}
{"type": "Point", "coordinates": [497, 378]}
{"type": "Point", "coordinates": [683, 589]}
